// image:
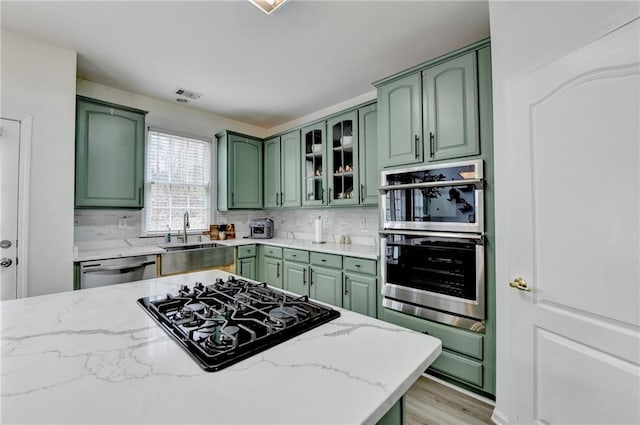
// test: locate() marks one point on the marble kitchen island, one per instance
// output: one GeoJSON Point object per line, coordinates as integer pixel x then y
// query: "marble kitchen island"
{"type": "Point", "coordinates": [95, 356]}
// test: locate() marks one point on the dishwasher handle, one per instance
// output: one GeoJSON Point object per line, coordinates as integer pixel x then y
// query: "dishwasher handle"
{"type": "Point", "coordinates": [92, 268]}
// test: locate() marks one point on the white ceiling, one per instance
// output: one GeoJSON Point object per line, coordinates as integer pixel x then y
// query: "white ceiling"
{"type": "Point", "coordinates": [259, 69]}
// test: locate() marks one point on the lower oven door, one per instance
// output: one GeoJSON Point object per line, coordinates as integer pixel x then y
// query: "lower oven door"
{"type": "Point", "coordinates": [436, 275]}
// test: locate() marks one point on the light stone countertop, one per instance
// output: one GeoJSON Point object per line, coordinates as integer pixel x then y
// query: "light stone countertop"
{"type": "Point", "coordinates": [118, 249]}
{"type": "Point", "coordinates": [94, 356]}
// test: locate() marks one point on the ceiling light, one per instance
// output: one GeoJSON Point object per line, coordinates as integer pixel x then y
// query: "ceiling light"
{"type": "Point", "coordinates": [268, 6]}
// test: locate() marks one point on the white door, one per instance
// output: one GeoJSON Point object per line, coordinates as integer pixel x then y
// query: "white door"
{"type": "Point", "coordinates": [9, 167]}
{"type": "Point", "coordinates": [574, 190]}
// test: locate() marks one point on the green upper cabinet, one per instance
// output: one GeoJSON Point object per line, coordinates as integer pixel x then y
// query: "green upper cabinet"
{"type": "Point", "coordinates": [239, 171]}
{"type": "Point", "coordinates": [272, 173]}
{"type": "Point", "coordinates": [110, 159]}
{"type": "Point", "coordinates": [343, 166]}
{"type": "Point", "coordinates": [450, 105]}
{"type": "Point", "coordinates": [314, 165]}
{"type": "Point", "coordinates": [368, 155]}
{"type": "Point", "coordinates": [282, 171]}
{"type": "Point", "coordinates": [400, 121]}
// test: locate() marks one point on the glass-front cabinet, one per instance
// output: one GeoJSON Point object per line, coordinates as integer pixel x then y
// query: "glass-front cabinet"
{"type": "Point", "coordinates": [314, 166]}
{"type": "Point", "coordinates": [342, 152]}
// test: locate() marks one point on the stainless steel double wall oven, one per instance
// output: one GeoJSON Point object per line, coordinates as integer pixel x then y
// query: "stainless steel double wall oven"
{"type": "Point", "coordinates": [432, 242]}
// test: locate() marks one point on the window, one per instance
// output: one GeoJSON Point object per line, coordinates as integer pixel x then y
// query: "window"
{"type": "Point", "coordinates": [178, 178]}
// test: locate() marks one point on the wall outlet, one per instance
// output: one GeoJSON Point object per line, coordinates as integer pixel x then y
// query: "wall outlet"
{"type": "Point", "coordinates": [363, 223]}
{"type": "Point", "coordinates": [122, 223]}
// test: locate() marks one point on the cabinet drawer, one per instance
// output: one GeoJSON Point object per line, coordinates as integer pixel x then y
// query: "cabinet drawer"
{"type": "Point", "coordinates": [326, 260]}
{"type": "Point", "coordinates": [272, 251]}
{"type": "Point", "coordinates": [360, 265]}
{"type": "Point", "coordinates": [464, 342]}
{"type": "Point", "coordinates": [296, 255]}
{"type": "Point", "coordinates": [246, 251]}
{"type": "Point", "coordinates": [459, 367]}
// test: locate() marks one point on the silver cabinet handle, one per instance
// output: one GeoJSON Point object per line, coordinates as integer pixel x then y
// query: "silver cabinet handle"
{"type": "Point", "coordinates": [281, 199]}
{"type": "Point", "coordinates": [432, 138]}
{"type": "Point", "coordinates": [361, 192]}
{"type": "Point", "coordinates": [5, 262]}
{"type": "Point", "coordinates": [310, 276]}
{"type": "Point", "coordinates": [278, 269]}
{"type": "Point", "coordinates": [304, 276]}
{"type": "Point", "coordinates": [346, 285]}
{"type": "Point", "coordinates": [416, 141]}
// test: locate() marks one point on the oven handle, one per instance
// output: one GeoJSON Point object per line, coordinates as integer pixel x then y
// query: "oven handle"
{"type": "Point", "coordinates": [478, 183]}
{"type": "Point", "coordinates": [479, 239]}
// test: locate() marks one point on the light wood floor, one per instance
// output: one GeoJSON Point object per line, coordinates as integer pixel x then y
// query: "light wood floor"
{"type": "Point", "coordinates": [431, 403]}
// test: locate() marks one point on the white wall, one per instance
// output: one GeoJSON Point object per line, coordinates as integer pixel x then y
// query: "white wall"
{"type": "Point", "coordinates": [39, 80]}
{"type": "Point", "coordinates": [525, 36]}
{"type": "Point", "coordinates": [372, 95]}
{"type": "Point", "coordinates": [167, 115]}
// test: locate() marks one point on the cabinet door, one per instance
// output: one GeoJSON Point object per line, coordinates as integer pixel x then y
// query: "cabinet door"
{"type": "Point", "coordinates": [342, 158]}
{"type": "Point", "coordinates": [326, 285]}
{"type": "Point", "coordinates": [245, 172]}
{"type": "Point", "coordinates": [368, 155]}
{"type": "Point", "coordinates": [272, 173]}
{"type": "Point", "coordinates": [273, 272]}
{"type": "Point", "coordinates": [295, 278]}
{"type": "Point", "coordinates": [400, 121]}
{"type": "Point", "coordinates": [247, 267]}
{"type": "Point", "coordinates": [109, 156]}
{"type": "Point", "coordinates": [451, 108]}
{"type": "Point", "coordinates": [291, 194]}
{"type": "Point", "coordinates": [314, 167]}
{"type": "Point", "coordinates": [360, 294]}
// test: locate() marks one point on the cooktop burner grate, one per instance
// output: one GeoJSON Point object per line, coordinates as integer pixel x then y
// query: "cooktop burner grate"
{"type": "Point", "coordinates": [230, 320]}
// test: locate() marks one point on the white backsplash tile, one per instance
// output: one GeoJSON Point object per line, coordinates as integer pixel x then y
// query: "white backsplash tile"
{"type": "Point", "coordinates": [299, 223]}
{"type": "Point", "coordinates": [102, 225]}
{"type": "Point", "coordinates": [97, 225]}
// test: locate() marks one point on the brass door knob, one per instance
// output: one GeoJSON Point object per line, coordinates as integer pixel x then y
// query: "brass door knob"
{"type": "Point", "coordinates": [521, 284]}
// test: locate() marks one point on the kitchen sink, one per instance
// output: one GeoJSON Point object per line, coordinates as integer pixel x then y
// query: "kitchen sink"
{"type": "Point", "coordinates": [189, 247]}
{"type": "Point", "coordinates": [188, 258]}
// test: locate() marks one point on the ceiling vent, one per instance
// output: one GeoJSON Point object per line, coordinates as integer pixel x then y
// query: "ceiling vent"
{"type": "Point", "coordinates": [187, 93]}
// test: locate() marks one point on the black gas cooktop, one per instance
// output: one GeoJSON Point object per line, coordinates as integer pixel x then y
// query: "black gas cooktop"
{"type": "Point", "coordinates": [227, 321]}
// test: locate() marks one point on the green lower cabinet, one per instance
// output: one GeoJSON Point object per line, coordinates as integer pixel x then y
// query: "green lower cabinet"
{"type": "Point", "coordinates": [295, 278]}
{"type": "Point", "coordinates": [326, 285]}
{"type": "Point", "coordinates": [247, 267]}
{"type": "Point", "coordinates": [395, 415]}
{"type": "Point", "coordinates": [273, 271]}
{"type": "Point", "coordinates": [464, 353]}
{"type": "Point", "coordinates": [459, 367]}
{"type": "Point", "coordinates": [360, 294]}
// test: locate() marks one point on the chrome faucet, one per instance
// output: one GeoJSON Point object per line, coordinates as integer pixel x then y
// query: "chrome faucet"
{"type": "Point", "coordinates": [185, 224]}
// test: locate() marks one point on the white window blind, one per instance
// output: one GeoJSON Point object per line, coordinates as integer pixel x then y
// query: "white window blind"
{"type": "Point", "coordinates": [178, 178]}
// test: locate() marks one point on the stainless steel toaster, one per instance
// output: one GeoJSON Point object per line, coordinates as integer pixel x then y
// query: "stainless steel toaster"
{"type": "Point", "coordinates": [261, 228]}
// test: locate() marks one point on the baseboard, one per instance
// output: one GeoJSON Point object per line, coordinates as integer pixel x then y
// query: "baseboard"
{"type": "Point", "coordinates": [461, 390]}
{"type": "Point", "coordinates": [498, 418]}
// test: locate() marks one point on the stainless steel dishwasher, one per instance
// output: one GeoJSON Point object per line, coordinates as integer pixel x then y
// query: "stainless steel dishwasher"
{"type": "Point", "coordinates": [116, 270]}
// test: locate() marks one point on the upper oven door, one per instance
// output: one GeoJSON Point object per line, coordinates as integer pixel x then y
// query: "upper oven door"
{"type": "Point", "coordinates": [443, 197]}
